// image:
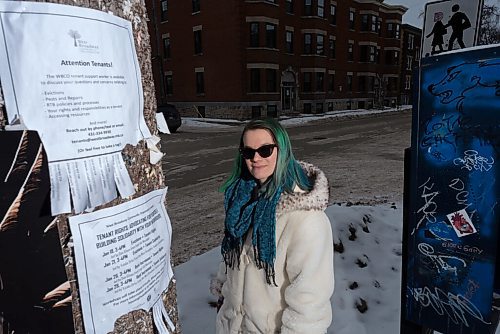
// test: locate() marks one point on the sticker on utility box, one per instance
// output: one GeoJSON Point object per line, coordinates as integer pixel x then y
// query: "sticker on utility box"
{"type": "Point", "coordinates": [461, 223]}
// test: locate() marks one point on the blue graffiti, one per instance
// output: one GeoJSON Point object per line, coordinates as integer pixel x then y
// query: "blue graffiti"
{"type": "Point", "coordinates": [468, 80]}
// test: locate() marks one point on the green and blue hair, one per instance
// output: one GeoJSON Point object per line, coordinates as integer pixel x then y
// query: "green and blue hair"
{"type": "Point", "coordinates": [288, 172]}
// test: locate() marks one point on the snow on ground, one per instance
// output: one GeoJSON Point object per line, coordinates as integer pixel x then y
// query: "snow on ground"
{"type": "Point", "coordinates": [368, 268]}
{"type": "Point", "coordinates": [216, 123]}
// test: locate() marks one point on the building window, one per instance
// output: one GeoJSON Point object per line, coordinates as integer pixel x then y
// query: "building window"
{"type": "Point", "coordinates": [321, 8]}
{"type": "Point", "coordinates": [166, 47]}
{"type": "Point", "coordinates": [333, 14]}
{"type": "Point", "coordinates": [411, 41]}
{"type": "Point", "coordinates": [409, 62]}
{"type": "Point", "coordinates": [377, 56]}
{"type": "Point", "coordinates": [289, 6]}
{"type": "Point", "coordinates": [408, 82]}
{"type": "Point", "coordinates": [271, 36]}
{"type": "Point", "coordinates": [373, 54]}
{"type": "Point", "coordinates": [370, 23]}
{"type": "Point", "coordinates": [392, 84]}
{"type": "Point", "coordinates": [307, 84]}
{"type": "Point", "coordinates": [349, 82]}
{"type": "Point", "coordinates": [392, 57]}
{"type": "Point", "coordinates": [254, 34]}
{"type": "Point", "coordinates": [417, 53]}
{"type": "Point", "coordinates": [307, 108]}
{"type": "Point", "coordinates": [320, 49]}
{"type": "Point", "coordinates": [371, 84]}
{"type": "Point", "coordinates": [390, 30]}
{"type": "Point", "coordinates": [379, 25]}
{"type": "Point", "coordinates": [364, 22]}
{"type": "Point", "coordinates": [307, 7]}
{"type": "Point", "coordinates": [373, 23]}
{"type": "Point", "coordinates": [169, 86]}
{"type": "Point", "coordinates": [271, 80]}
{"type": "Point", "coordinates": [197, 42]}
{"type": "Point", "coordinates": [332, 48]}
{"type": "Point", "coordinates": [196, 5]}
{"type": "Point", "coordinates": [164, 10]}
{"type": "Point", "coordinates": [255, 80]}
{"type": "Point", "coordinates": [351, 20]}
{"type": "Point", "coordinates": [319, 107]}
{"type": "Point", "coordinates": [272, 110]}
{"type": "Point", "coordinates": [363, 53]}
{"type": "Point", "coordinates": [320, 82]}
{"type": "Point", "coordinates": [331, 82]}
{"type": "Point", "coordinates": [289, 41]}
{"type": "Point", "coordinates": [200, 83]}
{"type": "Point", "coordinates": [393, 30]}
{"type": "Point", "coordinates": [362, 84]}
{"type": "Point", "coordinates": [307, 44]}
{"type": "Point", "coordinates": [350, 52]}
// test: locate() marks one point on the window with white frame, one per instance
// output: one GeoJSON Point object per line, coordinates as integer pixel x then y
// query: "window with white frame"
{"type": "Point", "coordinates": [333, 14]}
{"type": "Point", "coordinates": [408, 82]}
{"type": "Point", "coordinates": [351, 19]}
{"type": "Point", "coordinates": [411, 41]}
{"type": "Point", "coordinates": [409, 62]}
{"type": "Point", "coordinates": [164, 10]}
{"type": "Point", "coordinates": [321, 8]}
{"type": "Point", "coordinates": [320, 41]}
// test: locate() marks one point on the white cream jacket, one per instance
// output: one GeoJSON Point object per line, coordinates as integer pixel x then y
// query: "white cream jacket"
{"type": "Point", "coordinates": [303, 267]}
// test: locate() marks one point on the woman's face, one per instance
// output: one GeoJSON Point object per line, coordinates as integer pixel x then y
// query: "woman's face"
{"type": "Point", "coordinates": [260, 168]}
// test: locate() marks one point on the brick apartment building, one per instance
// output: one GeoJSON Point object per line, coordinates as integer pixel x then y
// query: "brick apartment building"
{"type": "Point", "coordinates": [411, 48]}
{"type": "Point", "coordinates": [251, 58]}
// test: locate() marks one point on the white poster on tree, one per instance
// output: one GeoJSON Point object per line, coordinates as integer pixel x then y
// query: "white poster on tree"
{"type": "Point", "coordinates": [123, 260]}
{"type": "Point", "coordinates": [72, 74]}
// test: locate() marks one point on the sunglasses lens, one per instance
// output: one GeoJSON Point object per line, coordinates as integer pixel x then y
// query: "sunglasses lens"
{"type": "Point", "coordinates": [264, 151]}
{"type": "Point", "coordinates": [247, 153]}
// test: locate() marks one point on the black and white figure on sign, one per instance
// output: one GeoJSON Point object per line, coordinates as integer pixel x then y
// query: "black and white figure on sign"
{"type": "Point", "coordinates": [438, 31]}
{"type": "Point", "coordinates": [458, 23]}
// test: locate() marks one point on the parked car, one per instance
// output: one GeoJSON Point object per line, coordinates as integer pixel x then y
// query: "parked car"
{"type": "Point", "coordinates": [171, 115]}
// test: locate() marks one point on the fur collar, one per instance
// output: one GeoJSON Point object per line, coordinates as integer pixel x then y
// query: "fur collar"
{"type": "Point", "coordinates": [316, 199]}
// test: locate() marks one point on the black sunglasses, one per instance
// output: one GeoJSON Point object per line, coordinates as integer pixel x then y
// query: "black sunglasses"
{"type": "Point", "coordinates": [264, 151]}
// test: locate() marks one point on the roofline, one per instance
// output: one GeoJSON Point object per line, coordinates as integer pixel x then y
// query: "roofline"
{"type": "Point", "coordinates": [397, 8]}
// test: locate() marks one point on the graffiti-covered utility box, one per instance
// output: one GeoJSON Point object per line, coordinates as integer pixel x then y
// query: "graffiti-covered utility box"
{"type": "Point", "coordinates": [455, 192]}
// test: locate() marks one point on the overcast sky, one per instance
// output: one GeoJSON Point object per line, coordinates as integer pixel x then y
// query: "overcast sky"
{"type": "Point", "coordinates": [415, 7]}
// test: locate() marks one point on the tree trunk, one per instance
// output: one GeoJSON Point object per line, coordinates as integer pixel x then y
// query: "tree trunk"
{"type": "Point", "coordinates": [146, 177]}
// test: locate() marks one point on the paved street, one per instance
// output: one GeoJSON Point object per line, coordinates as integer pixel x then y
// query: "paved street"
{"type": "Point", "coordinates": [362, 157]}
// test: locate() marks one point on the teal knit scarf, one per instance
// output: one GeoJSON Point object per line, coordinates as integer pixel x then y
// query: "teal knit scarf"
{"type": "Point", "coordinates": [247, 208]}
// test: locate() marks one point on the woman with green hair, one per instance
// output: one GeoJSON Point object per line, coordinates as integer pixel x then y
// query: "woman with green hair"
{"type": "Point", "coordinates": [277, 273]}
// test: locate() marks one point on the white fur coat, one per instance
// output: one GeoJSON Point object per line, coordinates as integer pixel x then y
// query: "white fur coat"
{"type": "Point", "coordinates": [303, 267]}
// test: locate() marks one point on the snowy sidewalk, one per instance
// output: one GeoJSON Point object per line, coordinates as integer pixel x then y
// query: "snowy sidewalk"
{"type": "Point", "coordinates": [221, 124]}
